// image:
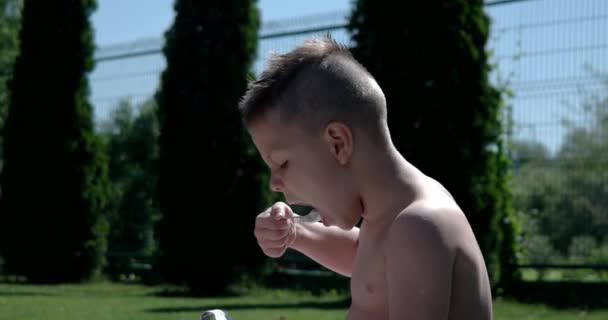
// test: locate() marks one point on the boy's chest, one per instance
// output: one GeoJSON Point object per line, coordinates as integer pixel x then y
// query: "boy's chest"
{"type": "Point", "coordinates": [368, 280]}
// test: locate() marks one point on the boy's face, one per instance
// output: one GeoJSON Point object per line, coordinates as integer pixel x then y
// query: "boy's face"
{"type": "Point", "coordinates": [305, 169]}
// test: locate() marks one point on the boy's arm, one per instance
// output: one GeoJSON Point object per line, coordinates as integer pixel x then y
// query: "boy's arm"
{"type": "Point", "coordinates": [332, 247]}
{"type": "Point", "coordinates": [418, 269]}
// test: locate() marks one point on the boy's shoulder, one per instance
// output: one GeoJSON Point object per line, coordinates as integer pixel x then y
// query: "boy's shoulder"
{"type": "Point", "coordinates": [425, 214]}
{"type": "Point", "coordinates": [434, 207]}
{"type": "Point", "coordinates": [431, 223]}
{"type": "Point", "coordinates": [419, 256]}
{"type": "Point", "coordinates": [431, 248]}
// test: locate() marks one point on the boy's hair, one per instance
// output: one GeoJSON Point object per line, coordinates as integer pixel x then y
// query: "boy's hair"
{"type": "Point", "coordinates": [314, 84]}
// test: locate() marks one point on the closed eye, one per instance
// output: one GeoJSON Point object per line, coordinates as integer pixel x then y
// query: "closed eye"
{"type": "Point", "coordinates": [284, 165]}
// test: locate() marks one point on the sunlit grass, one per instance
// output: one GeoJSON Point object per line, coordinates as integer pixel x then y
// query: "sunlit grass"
{"type": "Point", "coordinates": [99, 301]}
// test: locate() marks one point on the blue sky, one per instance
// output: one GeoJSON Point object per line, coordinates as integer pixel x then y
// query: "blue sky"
{"type": "Point", "coordinates": [118, 21]}
{"type": "Point", "coordinates": [542, 46]}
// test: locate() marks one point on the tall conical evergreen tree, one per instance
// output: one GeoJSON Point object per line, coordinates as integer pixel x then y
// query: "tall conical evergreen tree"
{"type": "Point", "coordinates": [9, 45]}
{"type": "Point", "coordinates": [54, 180]}
{"type": "Point", "coordinates": [445, 116]}
{"type": "Point", "coordinates": [208, 191]}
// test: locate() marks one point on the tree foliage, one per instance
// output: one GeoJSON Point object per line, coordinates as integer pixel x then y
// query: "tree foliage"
{"type": "Point", "coordinates": [130, 137]}
{"type": "Point", "coordinates": [209, 187]}
{"type": "Point", "coordinates": [54, 179]}
{"type": "Point", "coordinates": [444, 115]}
{"type": "Point", "coordinates": [9, 31]}
{"type": "Point", "coordinates": [562, 197]}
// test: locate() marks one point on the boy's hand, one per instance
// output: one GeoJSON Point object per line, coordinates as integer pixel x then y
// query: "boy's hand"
{"type": "Point", "coordinates": [275, 230]}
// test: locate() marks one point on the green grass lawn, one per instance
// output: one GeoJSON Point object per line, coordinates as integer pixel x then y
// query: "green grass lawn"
{"type": "Point", "coordinates": [121, 302]}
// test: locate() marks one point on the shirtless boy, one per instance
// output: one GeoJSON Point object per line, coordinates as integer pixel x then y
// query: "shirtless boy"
{"type": "Point", "coordinates": [319, 121]}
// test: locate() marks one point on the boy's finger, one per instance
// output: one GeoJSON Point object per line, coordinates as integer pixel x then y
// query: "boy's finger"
{"type": "Point", "coordinates": [278, 211]}
{"type": "Point", "coordinates": [273, 244]}
{"type": "Point", "coordinates": [274, 253]}
{"type": "Point", "coordinates": [272, 223]}
{"type": "Point", "coordinates": [271, 234]}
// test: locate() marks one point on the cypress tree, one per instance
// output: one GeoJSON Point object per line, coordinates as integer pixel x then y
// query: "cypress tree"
{"type": "Point", "coordinates": [54, 180]}
{"type": "Point", "coordinates": [9, 31]}
{"type": "Point", "coordinates": [445, 116]}
{"type": "Point", "coordinates": [208, 187]}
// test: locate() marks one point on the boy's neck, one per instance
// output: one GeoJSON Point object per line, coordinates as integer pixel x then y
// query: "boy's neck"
{"type": "Point", "coordinates": [388, 185]}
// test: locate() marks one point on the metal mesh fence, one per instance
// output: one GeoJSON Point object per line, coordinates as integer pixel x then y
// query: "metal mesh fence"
{"type": "Point", "coordinates": [551, 54]}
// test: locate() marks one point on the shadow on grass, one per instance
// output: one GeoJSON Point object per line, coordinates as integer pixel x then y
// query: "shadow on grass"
{"type": "Point", "coordinates": [315, 286]}
{"type": "Point", "coordinates": [188, 293]}
{"type": "Point", "coordinates": [562, 294]}
{"type": "Point", "coordinates": [4, 293]}
{"type": "Point", "coordinates": [340, 304]}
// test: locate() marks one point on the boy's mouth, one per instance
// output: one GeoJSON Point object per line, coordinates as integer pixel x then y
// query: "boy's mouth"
{"type": "Point", "coordinates": [306, 212]}
{"type": "Point", "coordinates": [301, 209]}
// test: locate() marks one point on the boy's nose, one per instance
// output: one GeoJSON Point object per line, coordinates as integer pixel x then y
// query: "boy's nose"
{"type": "Point", "coordinates": [276, 184]}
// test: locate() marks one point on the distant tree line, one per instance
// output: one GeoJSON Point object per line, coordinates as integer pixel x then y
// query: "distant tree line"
{"type": "Point", "coordinates": [561, 197]}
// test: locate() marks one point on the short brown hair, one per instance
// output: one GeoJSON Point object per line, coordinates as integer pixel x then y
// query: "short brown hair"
{"type": "Point", "coordinates": [317, 82]}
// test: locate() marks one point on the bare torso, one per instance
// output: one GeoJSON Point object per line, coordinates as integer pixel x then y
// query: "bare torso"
{"type": "Point", "coordinates": [470, 292]}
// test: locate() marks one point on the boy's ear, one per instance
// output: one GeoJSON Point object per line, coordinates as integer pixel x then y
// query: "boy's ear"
{"type": "Point", "coordinates": [339, 139]}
